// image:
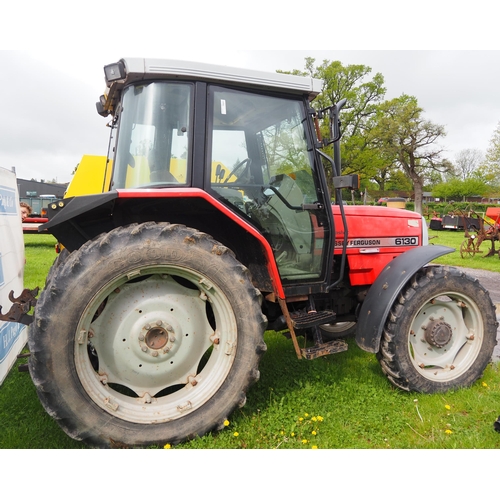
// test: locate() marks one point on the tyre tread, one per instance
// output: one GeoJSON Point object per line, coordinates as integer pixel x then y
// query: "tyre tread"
{"type": "Point", "coordinates": [49, 312]}
{"type": "Point", "coordinates": [398, 371]}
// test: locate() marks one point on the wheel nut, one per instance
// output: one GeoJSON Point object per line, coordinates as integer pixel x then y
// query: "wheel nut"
{"type": "Point", "coordinates": [144, 348]}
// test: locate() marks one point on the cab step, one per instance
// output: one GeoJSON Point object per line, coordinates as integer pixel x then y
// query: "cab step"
{"type": "Point", "coordinates": [313, 318]}
{"type": "Point", "coordinates": [319, 350]}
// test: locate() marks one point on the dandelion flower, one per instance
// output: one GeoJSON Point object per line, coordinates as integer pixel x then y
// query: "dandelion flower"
{"type": "Point", "coordinates": [306, 414]}
{"type": "Point", "coordinates": [167, 446]}
{"type": "Point", "coordinates": [304, 441]}
{"type": "Point", "coordinates": [320, 419]}
{"type": "Point", "coordinates": [448, 407]}
{"type": "Point", "coordinates": [236, 434]}
{"type": "Point", "coordinates": [314, 447]}
{"type": "Point", "coordinates": [300, 419]}
{"type": "Point", "coordinates": [314, 433]}
{"type": "Point", "coordinates": [448, 431]}
{"type": "Point", "coordinates": [226, 422]}
{"type": "Point", "coordinates": [292, 434]}
{"type": "Point", "coordinates": [314, 419]}
{"type": "Point", "coordinates": [485, 384]}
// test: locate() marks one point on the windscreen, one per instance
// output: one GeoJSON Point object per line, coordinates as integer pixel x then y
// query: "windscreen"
{"type": "Point", "coordinates": [153, 141]}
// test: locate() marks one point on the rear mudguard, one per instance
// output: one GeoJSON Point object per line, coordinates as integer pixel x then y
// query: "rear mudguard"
{"type": "Point", "coordinates": [385, 290]}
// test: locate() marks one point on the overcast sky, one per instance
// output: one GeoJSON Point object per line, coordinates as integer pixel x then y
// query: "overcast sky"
{"type": "Point", "coordinates": [48, 89]}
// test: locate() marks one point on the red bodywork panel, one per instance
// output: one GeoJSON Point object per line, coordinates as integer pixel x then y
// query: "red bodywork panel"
{"type": "Point", "coordinates": [376, 235]}
{"type": "Point", "coordinates": [199, 193]}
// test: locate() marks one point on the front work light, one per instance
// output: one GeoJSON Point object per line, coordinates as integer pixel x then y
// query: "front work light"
{"type": "Point", "coordinates": [114, 72]}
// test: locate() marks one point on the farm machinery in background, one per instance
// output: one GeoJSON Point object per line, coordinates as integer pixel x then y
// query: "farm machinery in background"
{"type": "Point", "coordinates": [486, 230]}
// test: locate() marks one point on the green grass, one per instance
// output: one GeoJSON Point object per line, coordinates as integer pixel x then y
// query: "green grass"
{"type": "Point", "coordinates": [454, 239]}
{"type": "Point", "coordinates": [40, 254]}
{"type": "Point", "coordinates": [344, 399]}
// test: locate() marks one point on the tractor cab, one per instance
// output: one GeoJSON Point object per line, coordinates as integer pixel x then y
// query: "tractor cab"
{"type": "Point", "coordinates": [248, 142]}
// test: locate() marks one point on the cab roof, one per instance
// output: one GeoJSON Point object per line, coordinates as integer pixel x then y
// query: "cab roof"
{"type": "Point", "coordinates": [133, 70]}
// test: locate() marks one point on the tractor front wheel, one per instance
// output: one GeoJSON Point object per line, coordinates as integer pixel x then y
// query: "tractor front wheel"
{"type": "Point", "coordinates": [150, 334]}
{"type": "Point", "coordinates": [440, 333]}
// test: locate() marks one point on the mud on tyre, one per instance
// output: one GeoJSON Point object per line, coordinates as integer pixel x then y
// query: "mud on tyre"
{"type": "Point", "coordinates": [150, 334]}
{"type": "Point", "coordinates": [440, 333]}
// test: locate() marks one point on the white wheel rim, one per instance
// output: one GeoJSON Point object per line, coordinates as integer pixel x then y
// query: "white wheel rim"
{"type": "Point", "coordinates": [150, 336]}
{"type": "Point", "coordinates": [458, 320]}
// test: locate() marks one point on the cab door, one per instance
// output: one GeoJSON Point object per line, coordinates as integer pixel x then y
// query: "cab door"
{"type": "Point", "coordinates": [262, 165]}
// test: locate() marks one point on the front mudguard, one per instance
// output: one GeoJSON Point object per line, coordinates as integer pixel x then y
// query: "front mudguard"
{"type": "Point", "coordinates": [385, 289]}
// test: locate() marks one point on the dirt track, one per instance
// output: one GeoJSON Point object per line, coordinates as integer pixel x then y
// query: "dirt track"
{"type": "Point", "coordinates": [491, 281]}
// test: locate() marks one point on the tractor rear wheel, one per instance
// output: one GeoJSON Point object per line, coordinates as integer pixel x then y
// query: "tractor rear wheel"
{"type": "Point", "coordinates": [150, 334]}
{"type": "Point", "coordinates": [440, 333]}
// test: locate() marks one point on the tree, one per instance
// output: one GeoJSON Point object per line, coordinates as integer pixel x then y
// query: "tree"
{"type": "Point", "coordinates": [398, 181]}
{"type": "Point", "coordinates": [363, 95]}
{"type": "Point", "coordinates": [467, 163]}
{"type": "Point", "coordinates": [491, 167]}
{"type": "Point", "coordinates": [433, 177]}
{"type": "Point", "coordinates": [383, 175]}
{"type": "Point", "coordinates": [460, 189]}
{"type": "Point", "coordinates": [409, 140]}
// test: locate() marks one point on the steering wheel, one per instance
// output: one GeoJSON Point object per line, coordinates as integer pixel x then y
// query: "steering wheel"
{"type": "Point", "coordinates": [241, 164]}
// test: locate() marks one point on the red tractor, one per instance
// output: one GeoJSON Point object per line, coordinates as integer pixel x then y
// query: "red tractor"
{"type": "Point", "coordinates": [217, 225]}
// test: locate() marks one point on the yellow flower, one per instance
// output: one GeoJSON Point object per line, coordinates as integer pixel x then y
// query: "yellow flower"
{"type": "Point", "coordinates": [314, 447]}
{"type": "Point", "coordinates": [226, 422]}
{"type": "Point", "coordinates": [281, 433]}
{"type": "Point", "coordinates": [448, 431]}
{"type": "Point", "coordinates": [300, 419]}
{"type": "Point", "coordinates": [306, 414]}
{"type": "Point", "coordinates": [485, 384]}
{"type": "Point", "coordinates": [292, 434]}
{"type": "Point", "coordinates": [314, 419]}
{"type": "Point", "coordinates": [304, 441]}
{"type": "Point", "coordinates": [313, 433]}
{"type": "Point", "coordinates": [448, 407]}
{"type": "Point", "coordinates": [236, 434]}
{"type": "Point", "coordinates": [320, 419]}
{"type": "Point", "coordinates": [167, 447]}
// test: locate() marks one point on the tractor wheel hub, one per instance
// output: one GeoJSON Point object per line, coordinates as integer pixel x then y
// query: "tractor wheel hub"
{"type": "Point", "coordinates": [438, 333]}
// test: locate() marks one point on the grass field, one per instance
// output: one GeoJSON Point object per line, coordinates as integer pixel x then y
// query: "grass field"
{"type": "Point", "coordinates": [454, 239]}
{"type": "Point", "coordinates": [342, 401]}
